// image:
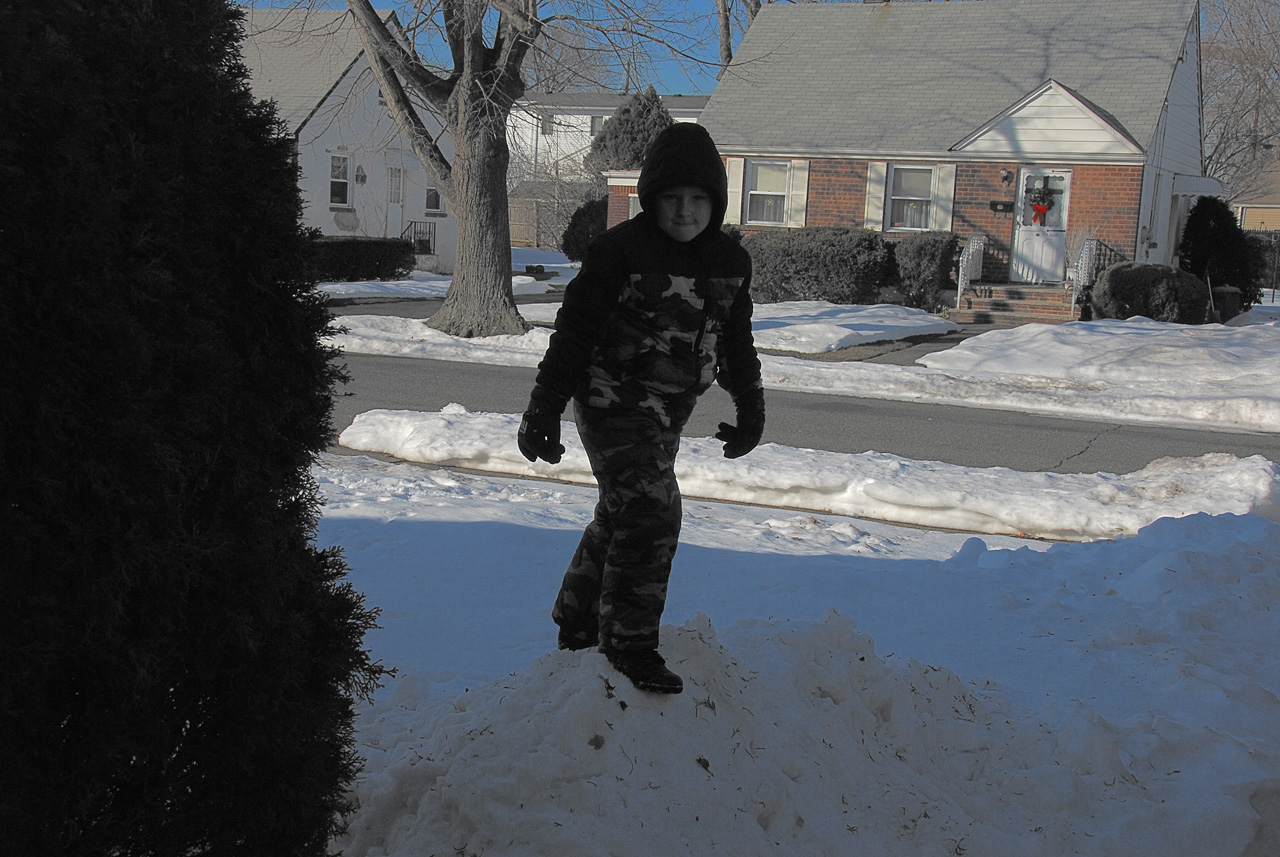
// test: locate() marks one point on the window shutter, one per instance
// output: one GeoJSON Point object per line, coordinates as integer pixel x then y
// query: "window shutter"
{"type": "Point", "coordinates": [877, 171]}
{"type": "Point", "coordinates": [798, 197]}
{"type": "Point", "coordinates": [944, 192]}
{"type": "Point", "coordinates": [733, 214]}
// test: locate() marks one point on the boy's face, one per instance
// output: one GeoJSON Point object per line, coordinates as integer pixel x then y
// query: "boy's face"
{"type": "Point", "coordinates": [683, 212]}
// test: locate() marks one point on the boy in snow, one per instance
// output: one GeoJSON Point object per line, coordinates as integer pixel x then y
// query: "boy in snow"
{"type": "Point", "coordinates": [660, 310]}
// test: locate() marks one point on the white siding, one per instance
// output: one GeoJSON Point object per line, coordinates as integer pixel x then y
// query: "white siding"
{"type": "Point", "coordinates": [353, 121]}
{"type": "Point", "coordinates": [1052, 124]}
{"type": "Point", "coordinates": [1177, 144]}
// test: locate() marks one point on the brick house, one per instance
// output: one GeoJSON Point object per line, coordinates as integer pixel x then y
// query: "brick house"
{"type": "Point", "coordinates": [1051, 135]}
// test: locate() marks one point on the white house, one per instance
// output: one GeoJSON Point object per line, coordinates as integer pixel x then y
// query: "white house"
{"type": "Point", "coordinates": [550, 133]}
{"type": "Point", "coordinates": [359, 177]}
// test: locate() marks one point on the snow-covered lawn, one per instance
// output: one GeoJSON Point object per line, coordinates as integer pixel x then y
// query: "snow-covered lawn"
{"type": "Point", "coordinates": [852, 687]}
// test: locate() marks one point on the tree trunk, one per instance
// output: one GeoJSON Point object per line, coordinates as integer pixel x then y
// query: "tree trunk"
{"type": "Point", "coordinates": [480, 301]}
{"type": "Point", "coordinates": [724, 13]}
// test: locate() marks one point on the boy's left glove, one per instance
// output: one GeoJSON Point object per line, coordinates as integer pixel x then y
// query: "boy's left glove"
{"type": "Point", "coordinates": [539, 435]}
{"type": "Point", "coordinates": [742, 438]}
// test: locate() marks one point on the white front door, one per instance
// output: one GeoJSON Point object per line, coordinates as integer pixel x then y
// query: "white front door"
{"type": "Point", "coordinates": [1040, 231]}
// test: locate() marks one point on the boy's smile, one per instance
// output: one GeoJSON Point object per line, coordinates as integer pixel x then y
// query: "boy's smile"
{"type": "Point", "coordinates": [683, 212]}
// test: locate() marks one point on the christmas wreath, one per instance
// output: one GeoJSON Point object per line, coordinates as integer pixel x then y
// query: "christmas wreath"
{"type": "Point", "coordinates": [1041, 199]}
{"type": "Point", "coordinates": [1041, 196]}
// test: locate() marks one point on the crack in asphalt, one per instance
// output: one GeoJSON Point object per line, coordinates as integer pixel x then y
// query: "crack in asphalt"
{"type": "Point", "coordinates": [1087, 446]}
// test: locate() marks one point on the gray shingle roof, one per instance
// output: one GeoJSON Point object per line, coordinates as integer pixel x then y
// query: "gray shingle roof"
{"type": "Point", "coordinates": [917, 77]}
{"type": "Point", "coordinates": [295, 56]}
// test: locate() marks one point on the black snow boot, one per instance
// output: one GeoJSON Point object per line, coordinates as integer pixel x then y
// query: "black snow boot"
{"type": "Point", "coordinates": [646, 669]}
{"type": "Point", "coordinates": [576, 642]}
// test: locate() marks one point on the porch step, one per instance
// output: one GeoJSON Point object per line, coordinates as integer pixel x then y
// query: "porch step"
{"type": "Point", "coordinates": [999, 303]}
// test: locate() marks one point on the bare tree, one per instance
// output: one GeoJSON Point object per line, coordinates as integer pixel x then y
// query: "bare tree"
{"type": "Point", "coordinates": [1241, 86]}
{"type": "Point", "coordinates": [472, 89]}
{"type": "Point", "coordinates": [563, 61]}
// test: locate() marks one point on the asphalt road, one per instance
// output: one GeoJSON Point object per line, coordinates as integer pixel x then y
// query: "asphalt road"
{"type": "Point", "coordinates": [970, 437]}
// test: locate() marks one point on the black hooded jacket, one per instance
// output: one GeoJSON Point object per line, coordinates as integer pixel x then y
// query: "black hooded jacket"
{"type": "Point", "coordinates": [649, 322]}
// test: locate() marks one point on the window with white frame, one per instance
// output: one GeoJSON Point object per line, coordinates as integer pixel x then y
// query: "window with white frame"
{"type": "Point", "coordinates": [433, 204]}
{"type": "Point", "coordinates": [339, 180]}
{"type": "Point", "coordinates": [767, 191]}
{"type": "Point", "coordinates": [910, 197]}
{"type": "Point", "coordinates": [597, 124]}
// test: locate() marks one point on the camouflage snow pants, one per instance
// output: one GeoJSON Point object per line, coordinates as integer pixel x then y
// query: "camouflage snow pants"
{"type": "Point", "coordinates": [616, 585]}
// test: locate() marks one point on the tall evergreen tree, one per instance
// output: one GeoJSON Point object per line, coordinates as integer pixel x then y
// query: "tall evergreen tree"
{"type": "Point", "coordinates": [181, 661]}
{"type": "Point", "coordinates": [1216, 249]}
{"type": "Point", "coordinates": [624, 139]}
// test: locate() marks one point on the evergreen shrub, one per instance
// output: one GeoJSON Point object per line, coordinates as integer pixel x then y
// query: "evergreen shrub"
{"type": "Point", "coordinates": [1157, 292]}
{"type": "Point", "coordinates": [181, 660]}
{"type": "Point", "coordinates": [924, 262]}
{"type": "Point", "coordinates": [345, 260]}
{"type": "Point", "coordinates": [1215, 249]}
{"type": "Point", "coordinates": [834, 264]}
{"type": "Point", "coordinates": [586, 224]}
{"type": "Point", "coordinates": [624, 140]}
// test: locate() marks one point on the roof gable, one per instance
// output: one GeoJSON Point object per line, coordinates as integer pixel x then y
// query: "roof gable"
{"type": "Point", "coordinates": [904, 78]}
{"type": "Point", "coordinates": [296, 56]}
{"type": "Point", "coordinates": [1049, 122]}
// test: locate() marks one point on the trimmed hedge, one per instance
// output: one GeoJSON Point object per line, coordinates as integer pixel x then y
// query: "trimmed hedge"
{"type": "Point", "coordinates": [1158, 292]}
{"type": "Point", "coordinates": [835, 264]}
{"type": "Point", "coordinates": [345, 260]}
{"type": "Point", "coordinates": [925, 261]}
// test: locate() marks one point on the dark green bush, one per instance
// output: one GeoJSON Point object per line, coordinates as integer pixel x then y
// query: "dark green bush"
{"type": "Point", "coordinates": [1157, 292]}
{"type": "Point", "coordinates": [835, 264]}
{"type": "Point", "coordinates": [586, 224]}
{"type": "Point", "coordinates": [181, 661]}
{"type": "Point", "coordinates": [345, 260]}
{"type": "Point", "coordinates": [1215, 249]}
{"type": "Point", "coordinates": [626, 137]}
{"type": "Point", "coordinates": [925, 261]}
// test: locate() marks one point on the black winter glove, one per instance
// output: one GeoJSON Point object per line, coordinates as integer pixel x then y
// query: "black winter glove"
{"type": "Point", "coordinates": [742, 438]}
{"type": "Point", "coordinates": [539, 435]}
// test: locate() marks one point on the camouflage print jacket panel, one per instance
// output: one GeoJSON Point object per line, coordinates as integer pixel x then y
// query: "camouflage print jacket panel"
{"type": "Point", "coordinates": [649, 323]}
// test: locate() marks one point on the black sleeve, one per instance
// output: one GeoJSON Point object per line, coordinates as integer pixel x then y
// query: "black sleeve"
{"type": "Point", "coordinates": [589, 300]}
{"type": "Point", "coordinates": [740, 372]}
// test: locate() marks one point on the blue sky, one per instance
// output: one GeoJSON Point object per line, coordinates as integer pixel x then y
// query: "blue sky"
{"type": "Point", "coordinates": [674, 78]}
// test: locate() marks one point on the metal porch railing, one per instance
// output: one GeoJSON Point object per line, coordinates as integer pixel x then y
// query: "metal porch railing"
{"type": "Point", "coordinates": [423, 236]}
{"type": "Point", "coordinates": [1094, 257]}
{"type": "Point", "coordinates": [970, 264]}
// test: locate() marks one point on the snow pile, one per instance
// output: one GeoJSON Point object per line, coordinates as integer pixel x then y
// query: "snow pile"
{"type": "Point", "coordinates": [1136, 371]}
{"type": "Point", "coordinates": [851, 687]}
{"type": "Point", "coordinates": [813, 745]}
{"type": "Point", "coordinates": [813, 327]}
{"type": "Point", "coordinates": [870, 485]}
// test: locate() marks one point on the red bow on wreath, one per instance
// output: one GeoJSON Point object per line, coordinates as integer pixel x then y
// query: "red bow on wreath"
{"type": "Point", "coordinates": [1039, 212]}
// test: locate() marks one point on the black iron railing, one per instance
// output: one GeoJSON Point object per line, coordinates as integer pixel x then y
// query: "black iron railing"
{"type": "Point", "coordinates": [423, 236]}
